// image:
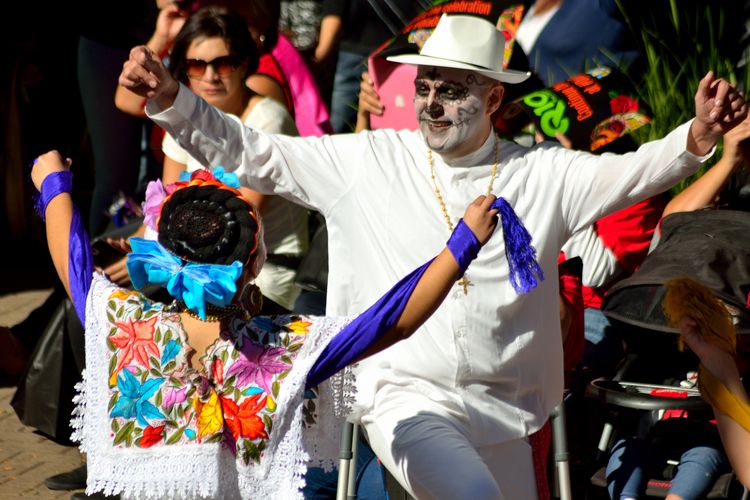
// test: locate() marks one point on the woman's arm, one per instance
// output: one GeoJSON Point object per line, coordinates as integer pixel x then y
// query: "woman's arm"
{"type": "Point", "coordinates": [404, 308]}
{"type": "Point", "coordinates": [721, 364]}
{"type": "Point", "coordinates": [168, 24]}
{"type": "Point", "coordinates": [66, 237]}
{"type": "Point", "coordinates": [703, 192]}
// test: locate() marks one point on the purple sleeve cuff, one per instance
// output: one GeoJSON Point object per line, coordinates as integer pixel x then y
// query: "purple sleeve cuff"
{"type": "Point", "coordinates": [53, 185]}
{"type": "Point", "coordinates": [464, 246]}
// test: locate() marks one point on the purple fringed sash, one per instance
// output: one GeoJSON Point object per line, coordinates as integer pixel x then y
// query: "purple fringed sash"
{"type": "Point", "coordinates": [366, 329]}
{"type": "Point", "coordinates": [369, 327]}
{"type": "Point", "coordinates": [80, 258]}
{"type": "Point", "coordinates": [525, 272]}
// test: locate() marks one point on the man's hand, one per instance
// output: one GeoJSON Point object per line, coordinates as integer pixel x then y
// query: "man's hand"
{"type": "Point", "coordinates": [46, 164]}
{"type": "Point", "coordinates": [145, 75]}
{"type": "Point", "coordinates": [719, 107]}
{"type": "Point", "coordinates": [480, 218]}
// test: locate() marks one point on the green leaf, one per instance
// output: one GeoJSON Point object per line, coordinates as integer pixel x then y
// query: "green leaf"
{"type": "Point", "coordinates": [154, 362]}
{"type": "Point", "coordinates": [157, 335]}
{"type": "Point", "coordinates": [155, 372]}
{"type": "Point", "coordinates": [125, 433]}
{"type": "Point", "coordinates": [169, 366]}
{"type": "Point", "coordinates": [213, 439]}
{"type": "Point", "coordinates": [158, 400]}
{"type": "Point", "coordinates": [110, 318]}
{"type": "Point", "coordinates": [113, 401]}
{"type": "Point", "coordinates": [223, 356]}
{"type": "Point", "coordinates": [111, 305]}
{"type": "Point", "coordinates": [269, 423]}
{"type": "Point", "coordinates": [283, 374]}
{"type": "Point", "coordinates": [138, 313]}
{"type": "Point", "coordinates": [275, 389]}
{"type": "Point", "coordinates": [112, 364]}
{"type": "Point", "coordinates": [286, 359]}
{"type": "Point", "coordinates": [176, 436]}
{"type": "Point", "coordinates": [295, 347]}
{"type": "Point", "coordinates": [230, 382]}
{"type": "Point", "coordinates": [120, 312]}
{"type": "Point", "coordinates": [237, 394]}
{"type": "Point", "coordinates": [171, 423]}
{"type": "Point", "coordinates": [167, 336]}
{"type": "Point", "coordinates": [115, 425]}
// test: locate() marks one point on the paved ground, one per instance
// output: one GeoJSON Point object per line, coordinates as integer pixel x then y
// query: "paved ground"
{"type": "Point", "coordinates": [27, 458]}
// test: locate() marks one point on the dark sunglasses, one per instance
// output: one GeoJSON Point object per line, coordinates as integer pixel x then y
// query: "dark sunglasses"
{"type": "Point", "coordinates": [223, 65]}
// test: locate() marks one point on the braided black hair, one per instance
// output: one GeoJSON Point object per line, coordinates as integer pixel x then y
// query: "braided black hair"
{"type": "Point", "coordinates": [209, 224]}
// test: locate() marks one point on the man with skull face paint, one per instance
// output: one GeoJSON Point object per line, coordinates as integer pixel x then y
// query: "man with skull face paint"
{"type": "Point", "coordinates": [448, 411]}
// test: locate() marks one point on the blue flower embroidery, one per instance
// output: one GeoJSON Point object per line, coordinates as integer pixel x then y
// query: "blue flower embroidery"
{"type": "Point", "coordinates": [133, 400]}
{"type": "Point", "coordinates": [170, 351]}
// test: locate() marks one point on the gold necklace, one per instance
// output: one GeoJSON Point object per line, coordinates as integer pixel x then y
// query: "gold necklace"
{"type": "Point", "coordinates": [464, 281]}
{"type": "Point", "coordinates": [216, 313]}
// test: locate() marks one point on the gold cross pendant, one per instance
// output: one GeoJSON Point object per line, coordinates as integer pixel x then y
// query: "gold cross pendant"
{"type": "Point", "coordinates": [464, 282]}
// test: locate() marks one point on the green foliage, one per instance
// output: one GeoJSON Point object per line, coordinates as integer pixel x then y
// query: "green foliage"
{"type": "Point", "coordinates": [681, 42]}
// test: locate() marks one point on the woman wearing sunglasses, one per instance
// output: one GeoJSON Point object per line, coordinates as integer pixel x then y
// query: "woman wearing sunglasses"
{"type": "Point", "coordinates": [213, 54]}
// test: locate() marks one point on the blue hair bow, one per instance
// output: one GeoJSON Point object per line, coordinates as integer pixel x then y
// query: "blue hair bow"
{"type": "Point", "coordinates": [150, 263]}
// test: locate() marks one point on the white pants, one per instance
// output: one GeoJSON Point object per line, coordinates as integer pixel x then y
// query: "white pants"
{"type": "Point", "coordinates": [426, 445]}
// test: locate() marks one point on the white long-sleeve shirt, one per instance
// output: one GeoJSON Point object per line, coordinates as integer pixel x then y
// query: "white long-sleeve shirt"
{"type": "Point", "coordinates": [497, 352]}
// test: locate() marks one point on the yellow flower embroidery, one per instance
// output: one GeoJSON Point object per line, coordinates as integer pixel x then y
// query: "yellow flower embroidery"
{"type": "Point", "coordinates": [271, 404]}
{"type": "Point", "coordinates": [209, 416]}
{"type": "Point", "coordinates": [299, 327]}
{"type": "Point", "coordinates": [122, 294]}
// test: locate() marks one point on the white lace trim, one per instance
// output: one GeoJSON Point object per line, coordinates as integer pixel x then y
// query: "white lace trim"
{"type": "Point", "coordinates": [207, 470]}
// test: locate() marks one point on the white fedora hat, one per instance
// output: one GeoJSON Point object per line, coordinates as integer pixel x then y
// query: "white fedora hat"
{"type": "Point", "coordinates": [465, 42]}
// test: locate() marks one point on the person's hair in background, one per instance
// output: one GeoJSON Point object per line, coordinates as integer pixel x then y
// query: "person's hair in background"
{"type": "Point", "coordinates": [261, 18]}
{"type": "Point", "coordinates": [214, 22]}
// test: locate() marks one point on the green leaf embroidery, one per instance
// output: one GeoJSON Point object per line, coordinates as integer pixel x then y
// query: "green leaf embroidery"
{"type": "Point", "coordinates": [125, 434]}
{"type": "Point", "coordinates": [112, 364]}
{"type": "Point", "coordinates": [295, 347]}
{"type": "Point", "coordinates": [286, 359]}
{"type": "Point", "coordinates": [154, 362]}
{"type": "Point", "coordinates": [171, 423]}
{"type": "Point", "coordinates": [176, 436]}
{"type": "Point", "coordinates": [283, 374]}
{"type": "Point", "coordinates": [138, 313]}
{"type": "Point", "coordinates": [269, 423]}
{"type": "Point", "coordinates": [157, 335]}
{"type": "Point", "coordinates": [213, 439]}
{"type": "Point", "coordinates": [170, 366]}
{"type": "Point", "coordinates": [275, 389]}
{"type": "Point", "coordinates": [158, 399]}
{"type": "Point", "coordinates": [113, 401]}
{"type": "Point", "coordinates": [167, 337]}
{"type": "Point", "coordinates": [115, 426]}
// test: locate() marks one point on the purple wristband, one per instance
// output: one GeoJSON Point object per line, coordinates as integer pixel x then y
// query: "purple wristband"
{"type": "Point", "coordinates": [464, 245]}
{"type": "Point", "coordinates": [52, 185]}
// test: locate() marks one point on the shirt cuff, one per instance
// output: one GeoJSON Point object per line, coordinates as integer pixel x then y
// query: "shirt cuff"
{"type": "Point", "coordinates": [184, 104]}
{"type": "Point", "coordinates": [684, 129]}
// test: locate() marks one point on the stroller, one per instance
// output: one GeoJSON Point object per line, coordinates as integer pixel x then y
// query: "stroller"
{"type": "Point", "coordinates": [712, 247]}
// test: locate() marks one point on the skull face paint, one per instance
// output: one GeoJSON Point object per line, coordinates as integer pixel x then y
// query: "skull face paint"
{"type": "Point", "coordinates": [452, 109]}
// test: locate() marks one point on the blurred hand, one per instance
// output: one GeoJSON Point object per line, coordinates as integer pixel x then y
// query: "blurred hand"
{"type": "Point", "coordinates": [46, 164]}
{"type": "Point", "coordinates": [145, 75]}
{"type": "Point", "coordinates": [170, 21]}
{"type": "Point", "coordinates": [561, 138]}
{"type": "Point", "coordinates": [480, 218]}
{"type": "Point", "coordinates": [737, 145]}
{"type": "Point", "coordinates": [118, 272]}
{"type": "Point", "coordinates": [719, 362]}
{"type": "Point", "coordinates": [369, 100]}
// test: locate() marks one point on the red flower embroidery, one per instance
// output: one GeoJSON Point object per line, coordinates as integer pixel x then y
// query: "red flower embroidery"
{"type": "Point", "coordinates": [151, 436]}
{"type": "Point", "coordinates": [135, 340]}
{"type": "Point", "coordinates": [243, 420]}
{"type": "Point", "coordinates": [218, 371]}
{"type": "Point", "coordinates": [623, 104]}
